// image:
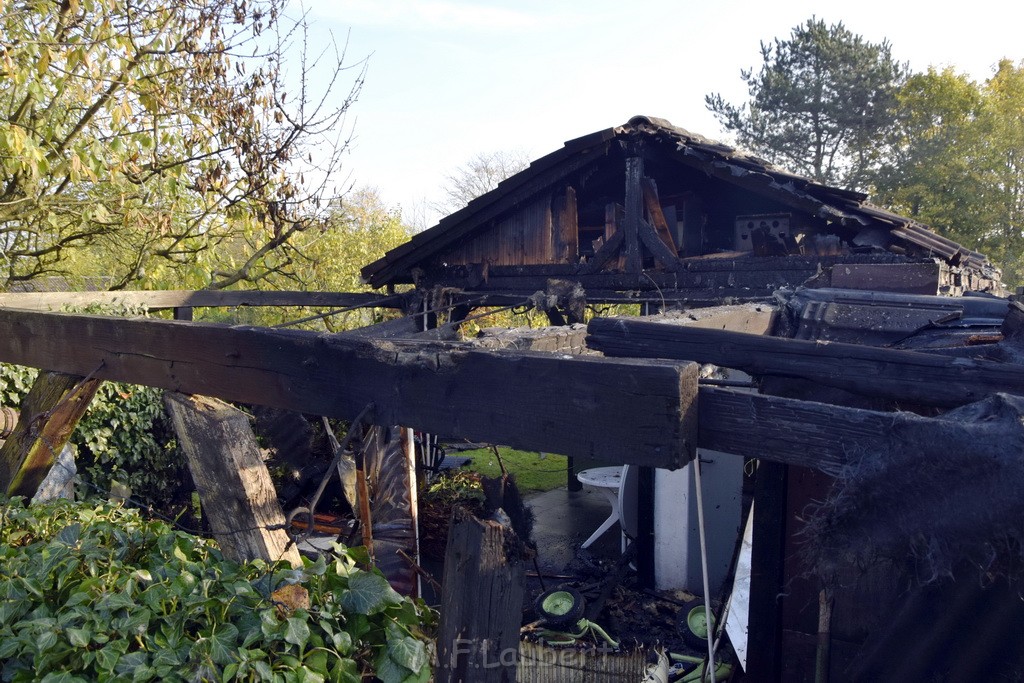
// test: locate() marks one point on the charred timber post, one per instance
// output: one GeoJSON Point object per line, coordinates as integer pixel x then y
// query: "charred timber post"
{"type": "Point", "coordinates": [50, 413]}
{"type": "Point", "coordinates": [619, 411]}
{"type": "Point", "coordinates": [909, 376]}
{"type": "Point", "coordinates": [634, 213]}
{"type": "Point", "coordinates": [233, 481]}
{"type": "Point", "coordinates": [481, 602]}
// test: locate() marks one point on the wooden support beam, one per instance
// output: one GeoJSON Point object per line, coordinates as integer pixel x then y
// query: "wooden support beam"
{"type": "Point", "coordinates": [620, 411]}
{"type": "Point", "coordinates": [828, 437]}
{"type": "Point", "coordinates": [50, 413]}
{"type": "Point", "coordinates": [658, 221]}
{"type": "Point", "coordinates": [634, 213]}
{"type": "Point", "coordinates": [481, 602]}
{"type": "Point", "coordinates": [163, 299]}
{"type": "Point", "coordinates": [767, 574]}
{"type": "Point", "coordinates": [653, 243]}
{"type": "Point", "coordinates": [909, 376]}
{"type": "Point", "coordinates": [233, 482]}
{"type": "Point", "coordinates": [608, 250]}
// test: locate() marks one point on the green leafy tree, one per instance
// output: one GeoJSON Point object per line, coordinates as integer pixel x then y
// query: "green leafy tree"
{"type": "Point", "coordinates": [956, 160]}
{"type": "Point", "coordinates": [358, 229]}
{"type": "Point", "coordinates": [149, 141]}
{"type": "Point", "coordinates": [820, 104]}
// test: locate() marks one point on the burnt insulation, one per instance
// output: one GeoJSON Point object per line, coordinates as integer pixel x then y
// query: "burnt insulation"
{"type": "Point", "coordinates": [934, 496]}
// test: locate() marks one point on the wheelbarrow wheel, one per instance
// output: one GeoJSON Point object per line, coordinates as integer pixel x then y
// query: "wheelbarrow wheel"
{"type": "Point", "coordinates": [561, 607]}
{"type": "Point", "coordinates": [693, 623]}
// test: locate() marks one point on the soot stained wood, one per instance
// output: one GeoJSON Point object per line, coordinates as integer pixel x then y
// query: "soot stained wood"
{"type": "Point", "coordinates": [50, 413]}
{"type": "Point", "coordinates": [163, 299]}
{"type": "Point", "coordinates": [614, 410]}
{"type": "Point", "coordinates": [481, 602]}
{"type": "Point", "coordinates": [232, 479]}
{"type": "Point", "coordinates": [920, 378]}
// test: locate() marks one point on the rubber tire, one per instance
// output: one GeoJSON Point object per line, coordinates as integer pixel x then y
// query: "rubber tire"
{"type": "Point", "coordinates": [562, 621]}
{"type": "Point", "coordinates": [697, 641]}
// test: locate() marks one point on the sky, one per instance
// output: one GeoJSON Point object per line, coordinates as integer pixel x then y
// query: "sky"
{"type": "Point", "coordinates": [448, 79]}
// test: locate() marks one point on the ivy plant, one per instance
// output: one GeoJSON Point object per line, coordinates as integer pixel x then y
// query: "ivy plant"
{"type": "Point", "coordinates": [98, 593]}
{"type": "Point", "coordinates": [125, 436]}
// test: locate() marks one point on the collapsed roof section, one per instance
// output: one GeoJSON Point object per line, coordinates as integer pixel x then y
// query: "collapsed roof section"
{"type": "Point", "coordinates": [648, 205]}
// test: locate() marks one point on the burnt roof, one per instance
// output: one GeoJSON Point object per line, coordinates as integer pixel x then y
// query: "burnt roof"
{"type": "Point", "coordinates": [727, 164]}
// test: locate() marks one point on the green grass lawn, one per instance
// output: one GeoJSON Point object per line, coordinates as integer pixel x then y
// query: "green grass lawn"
{"type": "Point", "coordinates": [532, 473]}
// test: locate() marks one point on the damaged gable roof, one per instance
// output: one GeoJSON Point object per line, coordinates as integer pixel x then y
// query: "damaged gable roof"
{"type": "Point", "coordinates": [724, 163]}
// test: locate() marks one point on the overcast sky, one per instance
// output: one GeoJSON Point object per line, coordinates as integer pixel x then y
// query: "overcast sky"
{"type": "Point", "coordinates": [450, 78]}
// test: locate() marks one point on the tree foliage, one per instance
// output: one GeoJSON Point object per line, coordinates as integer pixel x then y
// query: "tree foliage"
{"type": "Point", "coordinates": [956, 160]}
{"type": "Point", "coordinates": [358, 229]}
{"type": "Point", "coordinates": [151, 140]}
{"type": "Point", "coordinates": [820, 104]}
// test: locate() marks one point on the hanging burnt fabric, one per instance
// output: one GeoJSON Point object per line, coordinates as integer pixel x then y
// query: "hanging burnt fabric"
{"type": "Point", "coordinates": [937, 497]}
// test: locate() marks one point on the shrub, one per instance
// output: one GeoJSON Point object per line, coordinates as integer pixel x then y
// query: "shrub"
{"type": "Point", "coordinates": [99, 593]}
{"type": "Point", "coordinates": [125, 435]}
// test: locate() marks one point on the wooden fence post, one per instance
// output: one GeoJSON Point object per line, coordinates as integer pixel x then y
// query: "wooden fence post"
{"type": "Point", "coordinates": [50, 413]}
{"type": "Point", "coordinates": [481, 602]}
{"type": "Point", "coordinates": [233, 482]}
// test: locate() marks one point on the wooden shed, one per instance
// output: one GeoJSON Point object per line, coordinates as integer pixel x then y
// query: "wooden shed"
{"type": "Point", "coordinates": [648, 211]}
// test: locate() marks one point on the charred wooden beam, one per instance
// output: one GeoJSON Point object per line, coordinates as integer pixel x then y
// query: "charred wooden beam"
{"type": "Point", "coordinates": [481, 602]}
{"type": "Point", "coordinates": [662, 254]}
{"type": "Point", "coordinates": [634, 213]}
{"type": "Point", "coordinates": [658, 221]}
{"type": "Point", "coordinates": [234, 484]}
{"type": "Point", "coordinates": [909, 376]}
{"type": "Point", "coordinates": [50, 413]}
{"type": "Point", "coordinates": [624, 411]}
{"type": "Point", "coordinates": [748, 318]}
{"type": "Point", "coordinates": [163, 299]}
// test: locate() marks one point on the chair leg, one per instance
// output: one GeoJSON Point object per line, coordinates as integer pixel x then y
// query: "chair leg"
{"type": "Point", "coordinates": [612, 519]}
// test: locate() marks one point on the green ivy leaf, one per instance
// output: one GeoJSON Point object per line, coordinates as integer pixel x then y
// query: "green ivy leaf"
{"type": "Point", "coordinates": [369, 593]}
{"type": "Point", "coordinates": [297, 632]}
{"type": "Point", "coordinates": [409, 652]}
{"type": "Point", "coordinates": [79, 637]}
{"type": "Point", "coordinates": [224, 643]}
{"type": "Point", "coordinates": [70, 535]}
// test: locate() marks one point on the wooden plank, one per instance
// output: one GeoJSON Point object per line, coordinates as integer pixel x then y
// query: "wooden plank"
{"type": "Point", "coordinates": [653, 204]}
{"type": "Point", "coordinates": [481, 602]}
{"type": "Point", "coordinates": [620, 410]}
{"type": "Point", "coordinates": [661, 253]}
{"type": "Point", "coordinates": [634, 214]}
{"type": "Point", "coordinates": [565, 233]}
{"type": "Point", "coordinates": [911, 376]}
{"type": "Point", "coordinates": [905, 278]}
{"type": "Point", "coordinates": [164, 299]}
{"type": "Point", "coordinates": [749, 318]}
{"type": "Point", "coordinates": [51, 411]}
{"type": "Point", "coordinates": [829, 437]}
{"type": "Point", "coordinates": [233, 482]}
{"type": "Point", "coordinates": [605, 254]}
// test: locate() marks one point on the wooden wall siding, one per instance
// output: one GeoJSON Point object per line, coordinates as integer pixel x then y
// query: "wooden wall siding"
{"type": "Point", "coordinates": [565, 233]}
{"type": "Point", "coordinates": [523, 237]}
